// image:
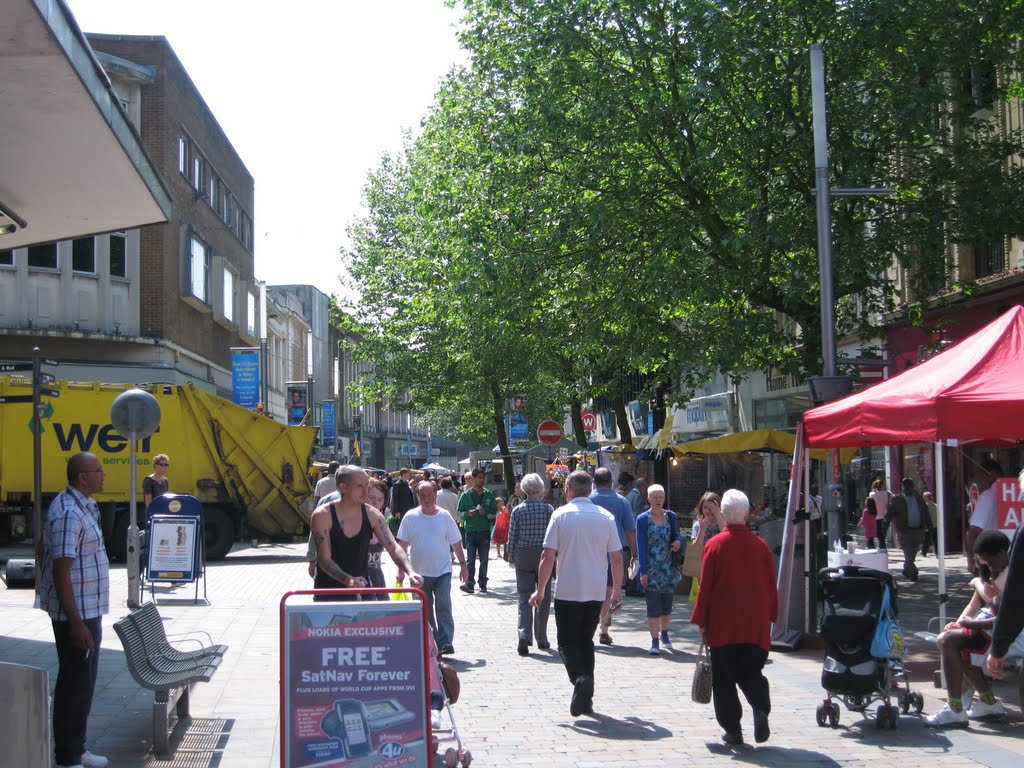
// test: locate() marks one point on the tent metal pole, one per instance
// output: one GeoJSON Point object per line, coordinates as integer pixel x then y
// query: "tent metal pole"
{"type": "Point", "coordinates": [808, 542]}
{"type": "Point", "coordinates": [940, 543]}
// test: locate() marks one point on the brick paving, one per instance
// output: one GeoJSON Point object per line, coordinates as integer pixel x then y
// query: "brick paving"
{"type": "Point", "coordinates": [514, 710]}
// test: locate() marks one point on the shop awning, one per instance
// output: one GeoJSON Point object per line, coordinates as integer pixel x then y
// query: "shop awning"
{"type": "Point", "coordinates": [73, 163]}
{"type": "Point", "coordinates": [762, 440]}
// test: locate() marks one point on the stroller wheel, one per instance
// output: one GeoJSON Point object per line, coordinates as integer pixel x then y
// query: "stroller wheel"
{"type": "Point", "coordinates": [466, 757]}
{"type": "Point", "coordinates": [918, 703]}
{"type": "Point", "coordinates": [833, 715]}
{"type": "Point", "coordinates": [451, 757]}
{"type": "Point", "coordinates": [905, 702]}
{"type": "Point", "coordinates": [894, 718]}
{"type": "Point", "coordinates": [881, 717]}
{"type": "Point", "coordinates": [819, 715]}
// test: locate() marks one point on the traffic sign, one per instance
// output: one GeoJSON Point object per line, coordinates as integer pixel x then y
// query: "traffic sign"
{"type": "Point", "coordinates": [46, 378]}
{"type": "Point", "coordinates": [51, 361]}
{"type": "Point", "coordinates": [589, 419]}
{"type": "Point", "coordinates": [46, 392]}
{"type": "Point", "coordinates": [15, 399]}
{"type": "Point", "coordinates": [14, 367]}
{"type": "Point", "coordinates": [549, 432]}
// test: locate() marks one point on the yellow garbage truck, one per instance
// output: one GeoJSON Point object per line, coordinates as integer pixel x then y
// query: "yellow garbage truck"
{"type": "Point", "coordinates": [249, 472]}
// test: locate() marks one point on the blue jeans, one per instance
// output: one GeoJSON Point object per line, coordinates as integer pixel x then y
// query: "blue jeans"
{"type": "Point", "coordinates": [478, 544]}
{"type": "Point", "coordinates": [438, 590]}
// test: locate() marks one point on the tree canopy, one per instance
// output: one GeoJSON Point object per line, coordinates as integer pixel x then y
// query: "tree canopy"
{"type": "Point", "coordinates": [620, 186]}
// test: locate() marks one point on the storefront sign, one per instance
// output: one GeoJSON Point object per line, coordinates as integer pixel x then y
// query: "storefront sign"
{"type": "Point", "coordinates": [1009, 505]}
{"type": "Point", "coordinates": [353, 683]}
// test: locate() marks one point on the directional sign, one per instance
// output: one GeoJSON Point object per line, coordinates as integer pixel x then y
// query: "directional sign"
{"type": "Point", "coordinates": [15, 399]}
{"type": "Point", "coordinates": [49, 392]}
{"type": "Point", "coordinates": [50, 361]}
{"type": "Point", "coordinates": [549, 432]}
{"type": "Point", "coordinates": [12, 367]}
{"type": "Point", "coordinates": [46, 378]}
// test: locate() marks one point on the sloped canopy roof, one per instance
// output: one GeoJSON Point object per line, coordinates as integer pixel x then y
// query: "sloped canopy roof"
{"type": "Point", "coordinates": [971, 391]}
{"type": "Point", "coordinates": [764, 440]}
{"type": "Point", "coordinates": [73, 164]}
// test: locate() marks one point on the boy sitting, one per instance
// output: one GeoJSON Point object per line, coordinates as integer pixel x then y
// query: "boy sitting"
{"type": "Point", "coordinates": [969, 634]}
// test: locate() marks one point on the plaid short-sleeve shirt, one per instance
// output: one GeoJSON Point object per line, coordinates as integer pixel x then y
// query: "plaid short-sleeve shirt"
{"type": "Point", "coordinates": [72, 530]}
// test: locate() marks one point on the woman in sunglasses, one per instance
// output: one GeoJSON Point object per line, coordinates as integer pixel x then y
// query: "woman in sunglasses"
{"type": "Point", "coordinates": [156, 484]}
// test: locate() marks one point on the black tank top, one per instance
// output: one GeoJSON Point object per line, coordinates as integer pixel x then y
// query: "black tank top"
{"type": "Point", "coordinates": [351, 554]}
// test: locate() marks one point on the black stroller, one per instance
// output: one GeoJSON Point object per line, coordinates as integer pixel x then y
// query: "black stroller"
{"type": "Point", "coordinates": [853, 604]}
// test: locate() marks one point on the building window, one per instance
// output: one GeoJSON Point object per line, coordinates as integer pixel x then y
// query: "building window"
{"type": "Point", "coordinates": [119, 254]}
{"type": "Point", "coordinates": [215, 193]}
{"type": "Point", "coordinates": [227, 208]}
{"type": "Point", "coordinates": [43, 256]}
{"type": "Point", "coordinates": [6, 258]}
{"type": "Point", "coordinates": [989, 259]}
{"type": "Point", "coordinates": [83, 255]}
{"type": "Point", "coordinates": [250, 313]}
{"type": "Point", "coordinates": [182, 155]}
{"type": "Point", "coordinates": [199, 270]}
{"type": "Point", "coordinates": [197, 173]}
{"type": "Point", "coordinates": [229, 295]}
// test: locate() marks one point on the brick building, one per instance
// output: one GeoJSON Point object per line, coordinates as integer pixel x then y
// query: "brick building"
{"type": "Point", "coordinates": [165, 302]}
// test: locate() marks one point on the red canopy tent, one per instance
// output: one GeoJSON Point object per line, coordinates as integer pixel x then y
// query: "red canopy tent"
{"type": "Point", "coordinates": [972, 391]}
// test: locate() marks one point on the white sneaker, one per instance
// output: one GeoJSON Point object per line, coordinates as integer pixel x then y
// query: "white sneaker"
{"type": "Point", "coordinates": [89, 760]}
{"type": "Point", "coordinates": [981, 710]}
{"type": "Point", "coordinates": [947, 718]}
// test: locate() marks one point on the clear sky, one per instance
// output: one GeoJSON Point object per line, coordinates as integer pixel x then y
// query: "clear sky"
{"type": "Point", "coordinates": [311, 93]}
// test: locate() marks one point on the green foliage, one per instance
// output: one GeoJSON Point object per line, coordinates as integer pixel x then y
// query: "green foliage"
{"type": "Point", "coordinates": [621, 186]}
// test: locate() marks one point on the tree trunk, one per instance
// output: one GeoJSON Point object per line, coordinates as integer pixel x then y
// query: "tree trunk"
{"type": "Point", "coordinates": [499, 426]}
{"type": "Point", "coordinates": [621, 417]}
{"type": "Point", "coordinates": [575, 413]}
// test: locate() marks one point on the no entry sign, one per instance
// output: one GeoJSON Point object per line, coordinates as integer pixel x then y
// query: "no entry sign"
{"type": "Point", "coordinates": [549, 432]}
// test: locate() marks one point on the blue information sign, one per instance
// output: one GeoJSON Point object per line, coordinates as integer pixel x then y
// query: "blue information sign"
{"type": "Point", "coordinates": [245, 378]}
{"type": "Point", "coordinates": [327, 433]}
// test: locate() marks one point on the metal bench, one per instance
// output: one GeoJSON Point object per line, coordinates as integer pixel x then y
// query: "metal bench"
{"type": "Point", "coordinates": [151, 625]}
{"type": "Point", "coordinates": [161, 668]}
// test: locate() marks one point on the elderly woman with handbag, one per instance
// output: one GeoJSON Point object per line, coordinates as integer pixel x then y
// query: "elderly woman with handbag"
{"type": "Point", "coordinates": [735, 608]}
{"type": "Point", "coordinates": [657, 538]}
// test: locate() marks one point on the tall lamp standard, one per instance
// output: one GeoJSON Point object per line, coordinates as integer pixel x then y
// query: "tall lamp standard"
{"type": "Point", "coordinates": [264, 384]}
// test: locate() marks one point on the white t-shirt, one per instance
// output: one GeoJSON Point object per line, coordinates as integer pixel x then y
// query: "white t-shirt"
{"type": "Point", "coordinates": [984, 515]}
{"type": "Point", "coordinates": [430, 540]}
{"type": "Point", "coordinates": [584, 534]}
{"type": "Point", "coordinates": [324, 486]}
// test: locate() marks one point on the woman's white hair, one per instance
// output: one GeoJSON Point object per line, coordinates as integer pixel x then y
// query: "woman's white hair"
{"type": "Point", "coordinates": [533, 485]}
{"type": "Point", "coordinates": [735, 506]}
{"type": "Point", "coordinates": [652, 488]}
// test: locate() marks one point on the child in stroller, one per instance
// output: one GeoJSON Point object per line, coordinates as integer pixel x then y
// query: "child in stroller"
{"type": "Point", "coordinates": [855, 600]}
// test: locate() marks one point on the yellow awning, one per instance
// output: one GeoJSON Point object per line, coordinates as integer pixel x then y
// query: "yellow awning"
{"type": "Point", "coordinates": [754, 440]}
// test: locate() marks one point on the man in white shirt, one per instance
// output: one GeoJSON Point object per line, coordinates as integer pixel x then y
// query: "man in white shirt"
{"type": "Point", "coordinates": [326, 484]}
{"type": "Point", "coordinates": [983, 511]}
{"type": "Point", "coordinates": [583, 537]}
{"type": "Point", "coordinates": [429, 534]}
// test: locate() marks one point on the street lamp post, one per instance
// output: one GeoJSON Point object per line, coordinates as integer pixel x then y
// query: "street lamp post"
{"type": "Point", "coordinates": [264, 384]}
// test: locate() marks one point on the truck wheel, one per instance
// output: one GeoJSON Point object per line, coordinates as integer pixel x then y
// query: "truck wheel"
{"type": "Point", "coordinates": [220, 533]}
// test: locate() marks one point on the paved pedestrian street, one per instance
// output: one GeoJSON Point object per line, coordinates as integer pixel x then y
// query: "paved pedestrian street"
{"type": "Point", "coordinates": [513, 711]}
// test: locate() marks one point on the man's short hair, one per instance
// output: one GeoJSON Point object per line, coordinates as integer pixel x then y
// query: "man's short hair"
{"type": "Point", "coordinates": [625, 478]}
{"type": "Point", "coordinates": [735, 506]}
{"type": "Point", "coordinates": [77, 464]}
{"type": "Point", "coordinates": [477, 472]}
{"type": "Point", "coordinates": [333, 467]}
{"type": "Point", "coordinates": [991, 466]}
{"type": "Point", "coordinates": [991, 543]}
{"type": "Point", "coordinates": [603, 477]}
{"type": "Point", "coordinates": [533, 485]}
{"type": "Point", "coordinates": [346, 473]}
{"type": "Point", "coordinates": [446, 483]}
{"type": "Point", "coordinates": [403, 471]}
{"type": "Point", "coordinates": [580, 482]}
{"type": "Point", "coordinates": [640, 484]}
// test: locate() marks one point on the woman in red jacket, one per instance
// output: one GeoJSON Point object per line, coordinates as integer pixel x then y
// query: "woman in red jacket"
{"type": "Point", "coordinates": [735, 608]}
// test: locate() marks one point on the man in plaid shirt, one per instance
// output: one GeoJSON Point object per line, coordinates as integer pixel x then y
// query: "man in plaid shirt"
{"type": "Point", "coordinates": [75, 591]}
{"type": "Point", "coordinates": [526, 531]}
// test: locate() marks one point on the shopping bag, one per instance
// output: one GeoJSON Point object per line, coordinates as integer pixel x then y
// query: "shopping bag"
{"type": "Point", "coordinates": [694, 587]}
{"type": "Point", "coordinates": [700, 691]}
{"type": "Point", "coordinates": [692, 558]}
{"type": "Point", "coordinates": [400, 595]}
{"type": "Point", "coordinates": [887, 642]}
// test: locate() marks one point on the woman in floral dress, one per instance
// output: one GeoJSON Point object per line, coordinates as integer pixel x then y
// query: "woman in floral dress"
{"type": "Point", "coordinates": [657, 537]}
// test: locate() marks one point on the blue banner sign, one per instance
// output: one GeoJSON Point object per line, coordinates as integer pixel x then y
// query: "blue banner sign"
{"type": "Point", "coordinates": [245, 379]}
{"type": "Point", "coordinates": [327, 434]}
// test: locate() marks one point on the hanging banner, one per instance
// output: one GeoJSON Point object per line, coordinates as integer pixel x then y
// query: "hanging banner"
{"type": "Point", "coordinates": [296, 403]}
{"type": "Point", "coordinates": [245, 377]}
{"type": "Point", "coordinates": [327, 433]}
{"type": "Point", "coordinates": [354, 683]}
{"type": "Point", "coordinates": [518, 426]}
